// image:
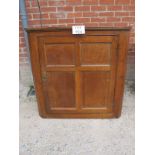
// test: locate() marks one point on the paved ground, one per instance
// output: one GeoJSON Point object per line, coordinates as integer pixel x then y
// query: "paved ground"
{"type": "Point", "coordinates": [76, 136]}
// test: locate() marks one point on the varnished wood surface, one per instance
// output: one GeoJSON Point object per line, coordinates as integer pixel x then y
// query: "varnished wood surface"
{"type": "Point", "coordinates": [69, 28]}
{"type": "Point", "coordinates": [61, 89]}
{"type": "Point", "coordinates": [79, 76]}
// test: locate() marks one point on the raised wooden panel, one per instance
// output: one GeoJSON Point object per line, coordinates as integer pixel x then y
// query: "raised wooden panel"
{"type": "Point", "coordinates": [60, 54]}
{"type": "Point", "coordinates": [95, 89]}
{"type": "Point", "coordinates": [61, 89]}
{"type": "Point", "coordinates": [95, 53]}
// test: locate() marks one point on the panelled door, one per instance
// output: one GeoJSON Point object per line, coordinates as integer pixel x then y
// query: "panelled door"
{"type": "Point", "coordinates": [78, 73]}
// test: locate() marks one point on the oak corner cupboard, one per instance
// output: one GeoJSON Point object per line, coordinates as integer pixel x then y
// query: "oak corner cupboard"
{"type": "Point", "coordinates": [79, 76]}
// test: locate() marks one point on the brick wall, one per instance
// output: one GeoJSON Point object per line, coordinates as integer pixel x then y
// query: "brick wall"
{"type": "Point", "coordinates": [24, 65]}
{"type": "Point", "coordinates": [92, 13]}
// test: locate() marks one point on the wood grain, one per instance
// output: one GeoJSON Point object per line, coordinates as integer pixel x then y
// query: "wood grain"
{"type": "Point", "coordinates": [79, 76]}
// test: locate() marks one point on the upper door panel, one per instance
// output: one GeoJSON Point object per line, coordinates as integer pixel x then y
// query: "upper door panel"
{"type": "Point", "coordinates": [96, 50]}
{"type": "Point", "coordinates": [59, 51]}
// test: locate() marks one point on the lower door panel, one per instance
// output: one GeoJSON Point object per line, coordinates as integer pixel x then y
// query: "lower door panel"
{"type": "Point", "coordinates": [60, 91]}
{"type": "Point", "coordinates": [95, 90]}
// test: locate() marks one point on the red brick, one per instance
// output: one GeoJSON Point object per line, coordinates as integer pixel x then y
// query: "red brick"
{"type": "Point", "coordinates": [32, 10]}
{"type": "Point", "coordinates": [29, 16]}
{"type": "Point", "coordinates": [113, 19]}
{"type": "Point", "coordinates": [27, 3]}
{"type": "Point", "coordinates": [73, 15]}
{"type": "Point", "coordinates": [98, 8]}
{"type": "Point", "coordinates": [131, 40]}
{"type": "Point", "coordinates": [41, 3]}
{"type": "Point", "coordinates": [20, 29]}
{"type": "Point", "coordinates": [121, 13]}
{"type": "Point", "coordinates": [128, 19]}
{"type": "Point", "coordinates": [82, 20]}
{"type": "Point", "coordinates": [98, 19]}
{"type": "Point", "coordinates": [43, 16]}
{"type": "Point", "coordinates": [90, 2]}
{"type": "Point", "coordinates": [129, 8]}
{"type": "Point", "coordinates": [23, 59]}
{"type": "Point", "coordinates": [23, 55]}
{"type": "Point", "coordinates": [21, 33]}
{"type": "Point", "coordinates": [90, 14]}
{"type": "Point", "coordinates": [73, 2]}
{"type": "Point", "coordinates": [122, 1]}
{"type": "Point", "coordinates": [57, 15]}
{"type": "Point", "coordinates": [131, 48]}
{"type": "Point", "coordinates": [65, 8]}
{"type": "Point", "coordinates": [106, 24]}
{"type": "Point", "coordinates": [22, 50]}
{"type": "Point", "coordinates": [82, 8]}
{"type": "Point", "coordinates": [51, 21]}
{"type": "Point", "coordinates": [22, 44]}
{"type": "Point", "coordinates": [106, 1]}
{"type": "Point", "coordinates": [91, 24]}
{"type": "Point", "coordinates": [48, 9]}
{"type": "Point", "coordinates": [106, 14]}
{"type": "Point", "coordinates": [22, 40]}
{"type": "Point", "coordinates": [132, 14]}
{"type": "Point", "coordinates": [56, 3]}
{"type": "Point", "coordinates": [114, 8]}
{"type": "Point", "coordinates": [132, 34]}
{"type": "Point", "coordinates": [34, 22]}
{"type": "Point", "coordinates": [33, 3]}
{"type": "Point", "coordinates": [66, 20]}
{"type": "Point", "coordinates": [121, 24]}
{"type": "Point", "coordinates": [132, 2]}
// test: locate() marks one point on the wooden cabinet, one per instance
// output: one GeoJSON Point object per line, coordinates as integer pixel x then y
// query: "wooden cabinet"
{"type": "Point", "coordinates": [79, 76]}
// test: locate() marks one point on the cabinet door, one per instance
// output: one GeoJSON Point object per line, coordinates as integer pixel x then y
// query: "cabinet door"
{"type": "Point", "coordinates": [78, 73]}
{"type": "Point", "coordinates": [57, 59]}
{"type": "Point", "coordinates": [97, 68]}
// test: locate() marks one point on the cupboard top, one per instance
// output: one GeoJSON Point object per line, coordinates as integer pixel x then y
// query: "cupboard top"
{"type": "Point", "coordinates": [87, 29]}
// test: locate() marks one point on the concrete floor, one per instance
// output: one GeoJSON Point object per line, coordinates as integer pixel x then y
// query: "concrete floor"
{"type": "Point", "coordinates": [76, 136]}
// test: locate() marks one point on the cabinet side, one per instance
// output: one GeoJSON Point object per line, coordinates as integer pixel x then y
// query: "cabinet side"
{"type": "Point", "coordinates": [121, 71]}
{"type": "Point", "coordinates": [35, 64]}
